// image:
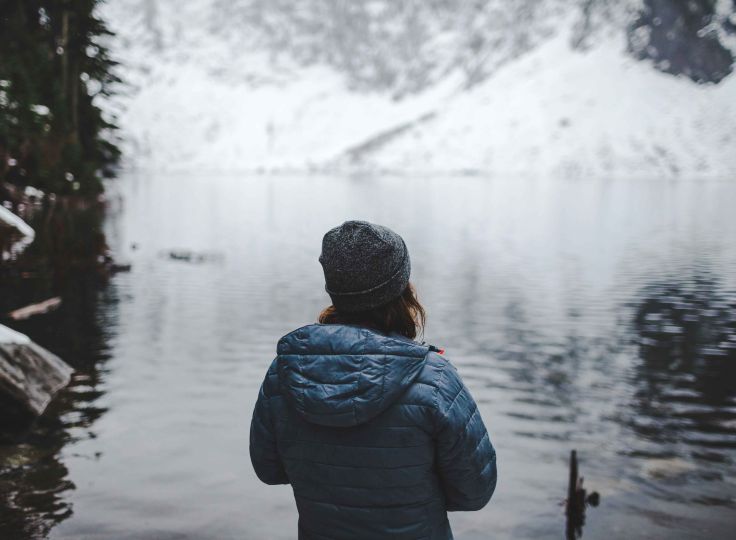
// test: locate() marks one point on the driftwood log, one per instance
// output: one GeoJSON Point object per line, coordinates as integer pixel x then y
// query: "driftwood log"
{"type": "Point", "coordinates": [30, 376]}
{"type": "Point", "coordinates": [35, 309]}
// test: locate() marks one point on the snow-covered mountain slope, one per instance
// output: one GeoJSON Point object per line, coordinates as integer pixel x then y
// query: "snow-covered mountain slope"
{"type": "Point", "coordinates": [255, 85]}
{"type": "Point", "coordinates": [597, 112]}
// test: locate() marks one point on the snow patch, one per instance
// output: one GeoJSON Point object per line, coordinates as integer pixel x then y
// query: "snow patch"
{"type": "Point", "coordinates": [27, 234]}
{"type": "Point", "coordinates": [11, 220]}
{"type": "Point", "coordinates": [9, 336]}
{"type": "Point", "coordinates": [41, 110]}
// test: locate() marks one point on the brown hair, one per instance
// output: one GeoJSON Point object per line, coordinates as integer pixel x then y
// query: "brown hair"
{"type": "Point", "coordinates": [403, 315]}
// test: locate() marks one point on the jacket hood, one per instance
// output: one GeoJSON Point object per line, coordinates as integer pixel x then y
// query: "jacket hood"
{"type": "Point", "coordinates": [339, 375]}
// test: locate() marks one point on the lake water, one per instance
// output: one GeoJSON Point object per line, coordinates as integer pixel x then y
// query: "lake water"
{"type": "Point", "coordinates": [597, 315]}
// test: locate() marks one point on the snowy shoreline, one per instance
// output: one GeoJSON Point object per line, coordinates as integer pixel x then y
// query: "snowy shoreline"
{"type": "Point", "coordinates": [327, 171]}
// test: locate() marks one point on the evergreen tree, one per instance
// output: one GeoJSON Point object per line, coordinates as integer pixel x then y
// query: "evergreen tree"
{"type": "Point", "coordinates": [53, 62]}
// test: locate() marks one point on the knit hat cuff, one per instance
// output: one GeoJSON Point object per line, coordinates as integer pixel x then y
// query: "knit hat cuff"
{"type": "Point", "coordinates": [378, 295]}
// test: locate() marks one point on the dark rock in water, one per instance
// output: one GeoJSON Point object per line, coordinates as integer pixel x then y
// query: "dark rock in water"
{"type": "Point", "coordinates": [186, 255]}
{"type": "Point", "coordinates": [120, 267]}
{"type": "Point", "coordinates": [30, 376]}
{"type": "Point", "coordinates": [682, 39]}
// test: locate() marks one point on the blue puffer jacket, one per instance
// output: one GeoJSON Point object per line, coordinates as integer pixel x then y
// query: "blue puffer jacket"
{"type": "Point", "coordinates": [377, 435]}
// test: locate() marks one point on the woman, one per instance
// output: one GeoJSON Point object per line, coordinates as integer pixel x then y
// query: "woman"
{"type": "Point", "coordinates": [376, 433]}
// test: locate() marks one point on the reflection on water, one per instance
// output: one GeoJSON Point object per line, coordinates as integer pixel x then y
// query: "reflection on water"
{"type": "Point", "coordinates": [684, 394]}
{"type": "Point", "coordinates": [594, 315]}
{"type": "Point", "coordinates": [34, 481]}
{"type": "Point", "coordinates": [686, 383]}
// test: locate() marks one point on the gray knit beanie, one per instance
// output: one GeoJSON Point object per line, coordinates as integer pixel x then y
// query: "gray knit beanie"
{"type": "Point", "coordinates": [365, 265]}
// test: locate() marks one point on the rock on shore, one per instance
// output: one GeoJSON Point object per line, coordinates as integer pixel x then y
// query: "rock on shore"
{"type": "Point", "coordinates": [30, 376]}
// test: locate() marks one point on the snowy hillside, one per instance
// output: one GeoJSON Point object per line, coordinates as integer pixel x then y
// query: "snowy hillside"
{"type": "Point", "coordinates": [545, 86]}
{"type": "Point", "coordinates": [593, 113]}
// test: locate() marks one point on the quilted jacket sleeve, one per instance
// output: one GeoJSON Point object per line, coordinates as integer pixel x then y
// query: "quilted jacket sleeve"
{"type": "Point", "coordinates": [263, 452]}
{"type": "Point", "coordinates": [466, 459]}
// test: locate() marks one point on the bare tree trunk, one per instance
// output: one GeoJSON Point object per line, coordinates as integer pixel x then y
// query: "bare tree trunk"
{"type": "Point", "coordinates": [64, 54]}
{"type": "Point", "coordinates": [74, 99]}
{"type": "Point", "coordinates": [69, 80]}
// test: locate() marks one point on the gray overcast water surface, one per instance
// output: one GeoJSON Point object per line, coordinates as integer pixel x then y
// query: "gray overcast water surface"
{"type": "Point", "coordinates": [598, 315]}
